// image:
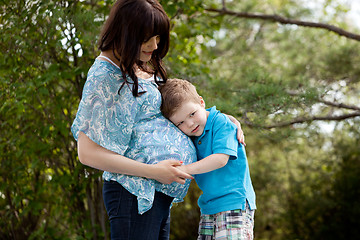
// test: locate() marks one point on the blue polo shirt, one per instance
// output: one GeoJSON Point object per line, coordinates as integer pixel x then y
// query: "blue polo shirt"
{"type": "Point", "coordinates": [229, 187]}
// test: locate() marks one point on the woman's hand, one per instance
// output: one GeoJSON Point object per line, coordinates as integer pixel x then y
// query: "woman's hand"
{"type": "Point", "coordinates": [167, 171]}
{"type": "Point", "coordinates": [240, 133]}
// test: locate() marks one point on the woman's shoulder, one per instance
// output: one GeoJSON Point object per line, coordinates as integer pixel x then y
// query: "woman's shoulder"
{"type": "Point", "coordinates": [102, 71]}
{"type": "Point", "coordinates": [104, 79]}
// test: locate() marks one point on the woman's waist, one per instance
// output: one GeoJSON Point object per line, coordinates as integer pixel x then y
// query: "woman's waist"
{"type": "Point", "coordinates": [145, 188]}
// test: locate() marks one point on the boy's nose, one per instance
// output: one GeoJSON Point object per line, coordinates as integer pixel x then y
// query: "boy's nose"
{"type": "Point", "coordinates": [190, 123]}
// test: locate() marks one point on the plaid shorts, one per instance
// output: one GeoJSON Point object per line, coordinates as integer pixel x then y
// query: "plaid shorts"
{"type": "Point", "coordinates": [228, 225]}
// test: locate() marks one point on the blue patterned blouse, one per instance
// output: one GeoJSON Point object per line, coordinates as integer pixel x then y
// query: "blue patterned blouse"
{"type": "Point", "coordinates": [133, 127]}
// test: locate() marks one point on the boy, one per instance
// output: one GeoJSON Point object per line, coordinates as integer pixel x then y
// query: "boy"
{"type": "Point", "coordinates": [228, 201]}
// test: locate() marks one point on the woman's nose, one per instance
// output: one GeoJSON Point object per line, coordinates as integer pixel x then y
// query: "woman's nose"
{"type": "Point", "coordinates": [153, 43]}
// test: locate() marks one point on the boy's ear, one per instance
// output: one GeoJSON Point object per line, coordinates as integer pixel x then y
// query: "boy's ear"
{"type": "Point", "coordinates": [202, 102]}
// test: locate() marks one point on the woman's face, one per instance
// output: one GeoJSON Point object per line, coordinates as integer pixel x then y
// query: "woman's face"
{"type": "Point", "coordinates": [148, 47]}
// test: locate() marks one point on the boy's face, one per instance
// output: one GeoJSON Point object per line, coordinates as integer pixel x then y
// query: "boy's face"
{"type": "Point", "coordinates": [191, 118]}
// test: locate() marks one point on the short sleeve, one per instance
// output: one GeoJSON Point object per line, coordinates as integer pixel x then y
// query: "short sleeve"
{"type": "Point", "coordinates": [224, 137]}
{"type": "Point", "coordinates": [104, 115]}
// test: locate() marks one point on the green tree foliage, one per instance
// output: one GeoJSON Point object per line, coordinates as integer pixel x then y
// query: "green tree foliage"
{"type": "Point", "coordinates": [326, 207]}
{"type": "Point", "coordinates": [283, 81]}
{"type": "Point", "coordinates": [46, 50]}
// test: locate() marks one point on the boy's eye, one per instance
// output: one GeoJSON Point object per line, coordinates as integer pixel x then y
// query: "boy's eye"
{"type": "Point", "coordinates": [180, 123]}
{"type": "Point", "coordinates": [192, 114]}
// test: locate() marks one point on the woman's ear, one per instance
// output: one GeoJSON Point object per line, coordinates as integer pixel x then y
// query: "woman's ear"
{"type": "Point", "coordinates": [202, 102]}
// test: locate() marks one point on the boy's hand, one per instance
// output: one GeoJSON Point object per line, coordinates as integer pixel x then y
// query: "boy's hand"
{"type": "Point", "coordinates": [240, 134]}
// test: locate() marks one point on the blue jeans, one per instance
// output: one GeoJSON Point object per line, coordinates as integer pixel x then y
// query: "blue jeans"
{"type": "Point", "coordinates": [125, 221]}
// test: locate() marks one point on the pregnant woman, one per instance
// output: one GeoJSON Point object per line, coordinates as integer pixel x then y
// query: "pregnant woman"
{"type": "Point", "coordinates": [119, 127]}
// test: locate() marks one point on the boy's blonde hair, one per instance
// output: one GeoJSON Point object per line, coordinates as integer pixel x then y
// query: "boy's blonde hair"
{"type": "Point", "coordinates": [176, 92]}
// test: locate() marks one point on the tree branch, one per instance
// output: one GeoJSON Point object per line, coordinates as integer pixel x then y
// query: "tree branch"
{"type": "Point", "coordinates": [306, 119]}
{"type": "Point", "coordinates": [333, 104]}
{"type": "Point", "coordinates": [283, 20]}
{"type": "Point", "coordinates": [340, 105]}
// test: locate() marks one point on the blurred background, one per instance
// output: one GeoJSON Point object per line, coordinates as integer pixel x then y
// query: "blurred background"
{"type": "Point", "coordinates": [287, 69]}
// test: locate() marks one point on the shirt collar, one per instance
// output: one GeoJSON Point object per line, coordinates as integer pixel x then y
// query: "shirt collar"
{"type": "Point", "coordinates": [210, 118]}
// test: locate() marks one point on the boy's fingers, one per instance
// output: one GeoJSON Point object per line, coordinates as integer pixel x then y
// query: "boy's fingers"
{"type": "Point", "coordinates": [241, 137]}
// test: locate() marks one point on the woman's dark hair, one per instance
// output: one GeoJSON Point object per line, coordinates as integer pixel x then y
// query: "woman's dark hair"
{"type": "Point", "coordinates": [129, 25]}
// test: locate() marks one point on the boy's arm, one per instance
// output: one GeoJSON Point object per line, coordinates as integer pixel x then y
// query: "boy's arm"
{"type": "Point", "coordinates": [208, 164]}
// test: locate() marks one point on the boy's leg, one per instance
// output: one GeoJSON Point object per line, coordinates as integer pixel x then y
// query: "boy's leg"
{"type": "Point", "coordinates": [235, 225]}
{"type": "Point", "coordinates": [206, 227]}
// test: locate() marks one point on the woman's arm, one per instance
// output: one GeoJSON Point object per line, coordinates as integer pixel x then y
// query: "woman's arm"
{"type": "Point", "coordinates": [208, 164]}
{"type": "Point", "coordinates": [95, 156]}
{"type": "Point", "coordinates": [240, 133]}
